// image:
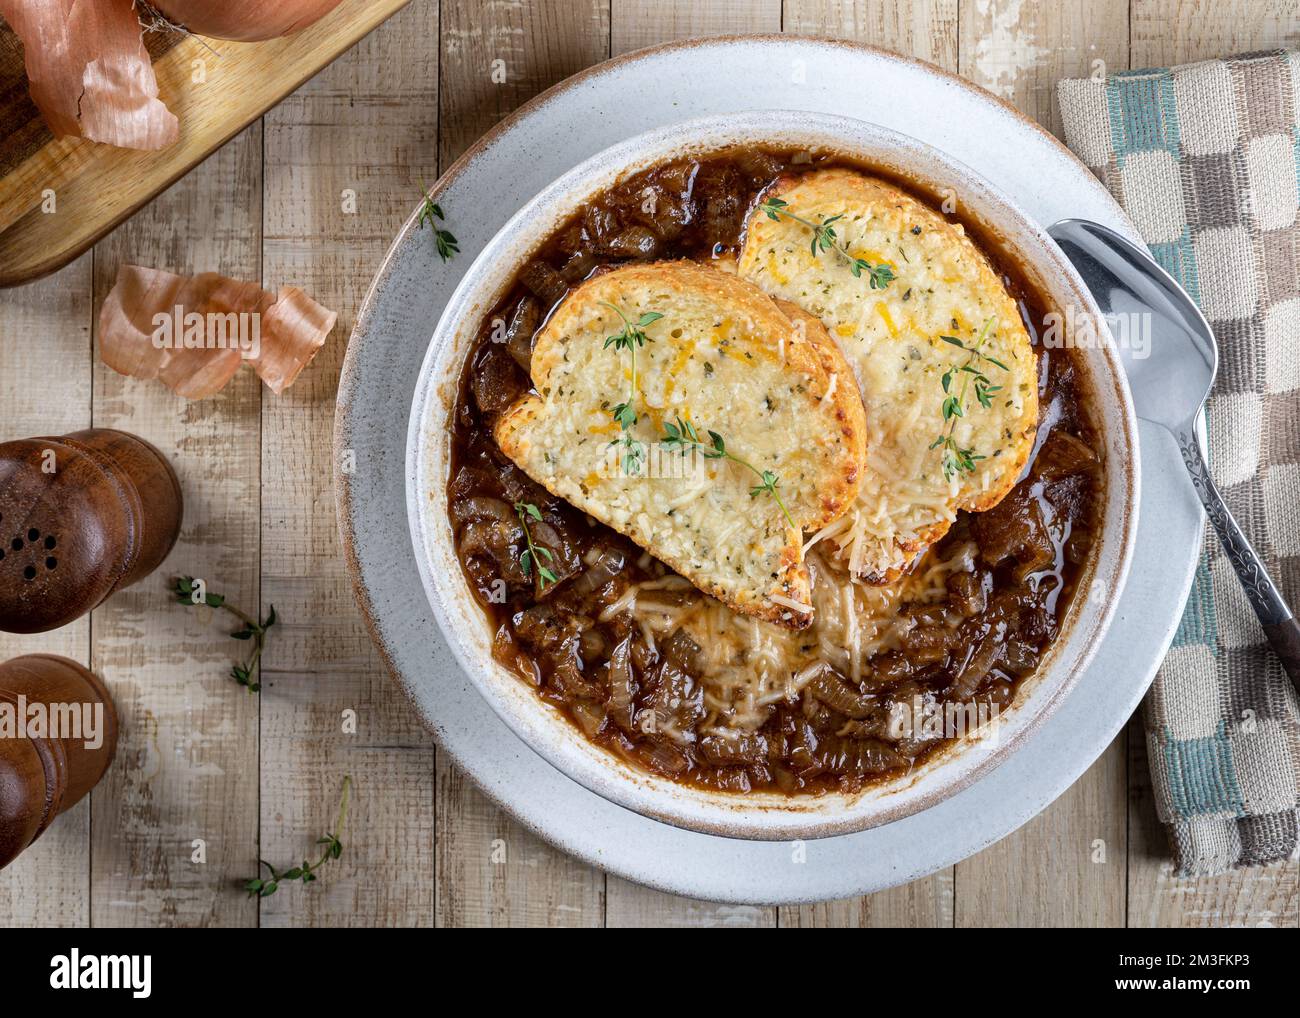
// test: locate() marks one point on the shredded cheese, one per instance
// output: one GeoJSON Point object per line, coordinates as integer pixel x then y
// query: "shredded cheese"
{"type": "Point", "coordinates": [747, 666]}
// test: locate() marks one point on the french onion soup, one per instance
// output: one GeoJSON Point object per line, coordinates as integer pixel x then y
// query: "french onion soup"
{"type": "Point", "coordinates": [760, 467]}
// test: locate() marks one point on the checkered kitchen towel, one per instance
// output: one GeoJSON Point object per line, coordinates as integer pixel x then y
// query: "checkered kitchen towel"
{"type": "Point", "coordinates": [1205, 159]}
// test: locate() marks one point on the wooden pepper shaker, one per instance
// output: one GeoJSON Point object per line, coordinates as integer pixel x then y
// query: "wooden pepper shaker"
{"type": "Point", "coordinates": [58, 734]}
{"type": "Point", "coordinates": [81, 516]}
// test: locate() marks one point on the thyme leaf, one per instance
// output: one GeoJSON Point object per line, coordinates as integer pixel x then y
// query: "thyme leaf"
{"type": "Point", "coordinates": [824, 238]}
{"type": "Point", "coordinates": [533, 554]}
{"type": "Point", "coordinates": [682, 437]}
{"type": "Point", "coordinates": [192, 592]}
{"type": "Point", "coordinates": [332, 848]}
{"type": "Point", "coordinates": [431, 212]}
{"type": "Point", "coordinates": [630, 338]}
{"type": "Point", "coordinates": [954, 458]}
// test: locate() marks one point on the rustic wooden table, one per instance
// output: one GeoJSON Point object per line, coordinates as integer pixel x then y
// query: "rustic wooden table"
{"type": "Point", "coordinates": [209, 778]}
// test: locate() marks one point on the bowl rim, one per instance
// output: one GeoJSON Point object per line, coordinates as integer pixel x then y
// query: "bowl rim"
{"type": "Point", "coordinates": [755, 815]}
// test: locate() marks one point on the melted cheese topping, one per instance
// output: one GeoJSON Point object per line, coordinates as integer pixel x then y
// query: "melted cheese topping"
{"type": "Point", "coordinates": [893, 337]}
{"type": "Point", "coordinates": [747, 666]}
{"type": "Point", "coordinates": [723, 357]}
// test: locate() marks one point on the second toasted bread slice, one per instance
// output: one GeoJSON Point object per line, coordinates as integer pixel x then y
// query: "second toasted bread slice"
{"type": "Point", "coordinates": [768, 423]}
{"type": "Point", "coordinates": [942, 358]}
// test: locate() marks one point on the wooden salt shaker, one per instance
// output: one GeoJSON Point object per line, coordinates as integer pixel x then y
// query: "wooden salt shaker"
{"type": "Point", "coordinates": [81, 516]}
{"type": "Point", "coordinates": [42, 775]}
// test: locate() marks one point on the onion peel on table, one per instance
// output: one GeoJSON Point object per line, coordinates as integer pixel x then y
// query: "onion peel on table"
{"type": "Point", "coordinates": [193, 332]}
{"type": "Point", "coordinates": [89, 72]}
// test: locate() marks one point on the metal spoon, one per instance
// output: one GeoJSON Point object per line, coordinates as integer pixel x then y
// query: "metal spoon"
{"type": "Point", "coordinates": [1170, 389]}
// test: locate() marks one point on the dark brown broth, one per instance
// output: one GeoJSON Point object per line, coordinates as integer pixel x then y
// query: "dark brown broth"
{"type": "Point", "coordinates": [1033, 546]}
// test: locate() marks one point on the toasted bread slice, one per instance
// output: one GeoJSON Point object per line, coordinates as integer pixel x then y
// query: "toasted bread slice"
{"type": "Point", "coordinates": [902, 340]}
{"type": "Point", "coordinates": [723, 358]}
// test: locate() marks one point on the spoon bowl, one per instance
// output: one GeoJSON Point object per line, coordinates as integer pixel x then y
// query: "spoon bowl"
{"type": "Point", "coordinates": [1131, 288]}
{"type": "Point", "coordinates": [1134, 292]}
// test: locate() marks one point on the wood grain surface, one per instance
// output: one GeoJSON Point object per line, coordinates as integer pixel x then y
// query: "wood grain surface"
{"type": "Point", "coordinates": [204, 764]}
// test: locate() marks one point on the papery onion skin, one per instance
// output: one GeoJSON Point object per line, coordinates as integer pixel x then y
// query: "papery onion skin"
{"type": "Point", "coordinates": [245, 20]}
{"type": "Point", "coordinates": [291, 328]}
{"type": "Point", "coordinates": [89, 73]}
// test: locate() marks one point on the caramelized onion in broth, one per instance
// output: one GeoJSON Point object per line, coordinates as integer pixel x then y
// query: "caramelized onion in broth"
{"type": "Point", "coordinates": [671, 680]}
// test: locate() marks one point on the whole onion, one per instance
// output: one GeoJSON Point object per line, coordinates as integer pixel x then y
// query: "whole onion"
{"type": "Point", "coordinates": [244, 20]}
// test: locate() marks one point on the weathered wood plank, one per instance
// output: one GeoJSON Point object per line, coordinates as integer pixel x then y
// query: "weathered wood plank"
{"type": "Point", "coordinates": [927, 902]}
{"type": "Point", "coordinates": [1019, 50]}
{"type": "Point", "coordinates": [45, 372]}
{"type": "Point", "coordinates": [498, 55]}
{"type": "Point", "coordinates": [492, 872]}
{"type": "Point", "coordinates": [1066, 867]}
{"type": "Point", "coordinates": [635, 24]}
{"type": "Point", "coordinates": [633, 905]}
{"type": "Point", "coordinates": [1169, 32]}
{"type": "Point", "coordinates": [494, 57]}
{"type": "Point", "coordinates": [925, 29]}
{"type": "Point", "coordinates": [175, 821]}
{"type": "Point", "coordinates": [343, 160]}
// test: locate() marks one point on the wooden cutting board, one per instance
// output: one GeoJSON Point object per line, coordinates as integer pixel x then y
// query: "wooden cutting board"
{"type": "Point", "coordinates": [60, 195]}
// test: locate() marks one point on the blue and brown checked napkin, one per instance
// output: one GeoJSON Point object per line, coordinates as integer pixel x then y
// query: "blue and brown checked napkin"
{"type": "Point", "coordinates": [1205, 159]}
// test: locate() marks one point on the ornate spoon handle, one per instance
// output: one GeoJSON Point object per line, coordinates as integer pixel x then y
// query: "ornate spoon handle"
{"type": "Point", "coordinates": [1280, 626]}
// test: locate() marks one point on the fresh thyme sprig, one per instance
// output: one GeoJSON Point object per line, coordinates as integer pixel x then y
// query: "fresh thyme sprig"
{"type": "Point", "coordinates": [431, 212]}
{"type": "Point", "coordinates": [824, 238]}
{"type": "Point", "coordinates": [956, 459]}
{"type": "Point", "coordinates": [333, 848]}
{"type": "Point", "coordinates": [533, 555]}
{"type": "Point", "coordinates": [185, 591]}
{"type": "Point", "coordinates": [683, 437]}
{"type": "Point", "coordinates": [630, 338]}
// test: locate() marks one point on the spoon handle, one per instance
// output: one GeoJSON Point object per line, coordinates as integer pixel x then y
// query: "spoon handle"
{"type": "Point", "coordinates": [1280, 626]}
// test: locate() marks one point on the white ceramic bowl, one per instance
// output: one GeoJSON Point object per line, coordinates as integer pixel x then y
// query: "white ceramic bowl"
{"type": "Point", "coordinates": [769, 816]}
